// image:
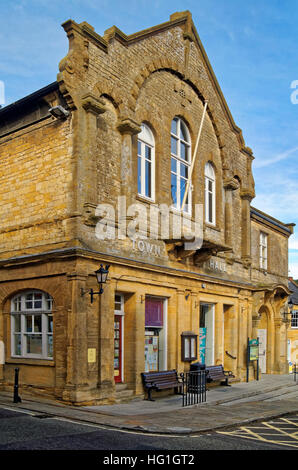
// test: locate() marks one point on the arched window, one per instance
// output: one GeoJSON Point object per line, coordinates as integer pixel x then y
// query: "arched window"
{"type": "Point", "coordinates": [146, 163]}
{"type": "Point", "coordinates": [180, 164]}
{"type": "Point", "coordinates": [209, 194]}
{"type": "Point", "coordinates": [32, 325]}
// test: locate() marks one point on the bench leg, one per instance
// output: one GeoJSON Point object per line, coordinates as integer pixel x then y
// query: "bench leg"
{"type": "Point", "coordinates": [225, 383]}
{"type": "Point", "coordinates": [149, 395]}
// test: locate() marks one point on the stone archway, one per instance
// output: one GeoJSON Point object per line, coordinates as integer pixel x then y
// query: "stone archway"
{"type": "Point", "coordinates": [263, 333]}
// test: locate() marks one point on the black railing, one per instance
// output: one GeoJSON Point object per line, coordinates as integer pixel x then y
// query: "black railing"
{"type": "Point", "coordinates": [193, 387]}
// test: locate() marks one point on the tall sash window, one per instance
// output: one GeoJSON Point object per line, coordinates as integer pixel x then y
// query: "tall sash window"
{"type": "Point", "coordinates": [146, 163]}
{"type": "Point", "coordinates": [209, 194]}
{"type": "Point", "coordinates": [180, 164]}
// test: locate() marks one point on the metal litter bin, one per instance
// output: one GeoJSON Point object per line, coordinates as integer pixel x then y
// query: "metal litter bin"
{"type": "Point", "coordinates": [197, 377]}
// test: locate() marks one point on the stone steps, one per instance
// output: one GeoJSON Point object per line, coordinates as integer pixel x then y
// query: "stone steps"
{"type": "Point", "coordinates": [123, 394]}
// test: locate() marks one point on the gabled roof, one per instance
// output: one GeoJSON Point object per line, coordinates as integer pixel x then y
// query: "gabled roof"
{"type": "Point", "coordinates": [294, 288]}
{"type": "Point", "coordinates": [176, 19]}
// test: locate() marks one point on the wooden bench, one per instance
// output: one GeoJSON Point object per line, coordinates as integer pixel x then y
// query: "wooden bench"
{"type": "Point", "coordinates": [218, 374]}
{"type": "Point", "coordinates": [160, 381]}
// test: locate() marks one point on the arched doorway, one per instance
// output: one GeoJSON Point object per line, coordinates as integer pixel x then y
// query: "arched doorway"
{"type": "Point", "coordinates": [263, 339]}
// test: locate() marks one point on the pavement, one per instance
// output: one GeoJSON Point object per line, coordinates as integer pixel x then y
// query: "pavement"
{"type": "Point", "coordinates": [270, 397]}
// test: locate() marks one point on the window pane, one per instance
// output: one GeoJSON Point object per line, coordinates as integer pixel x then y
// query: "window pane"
{"type": "Point", "coordinates": [37, 300]}
{"type": "Point", "coordinates": [50, 323]}
{"type": "Point", "coordinates": [17, 304]}
{"type": "Point", "coordinates": [49, 302]}
{"type": "Point", "coordinates": [29, 304]}
{"type": "Point", "coordinates": [183, 170]}
{"type": "Point", "coordinates": [174, 189]}
{"type": "Point", "coordinates": [182, 191]}
{"type": "Point", "coordinates": [183, 151]}
{"type": "Point", "coordinates": [50, 346]}
{"type": "Point", "coordinates": [139, 148]}
{"type": "Point", "coordinates": [34, 344]}
{"type": "Point", "coordinates": [174, 126]}
{"type": "Point", "coordinates": [183, 132]}
{"type": "Point", "coordinates": [148, 152]}
{"type": "Point", "coordinates": [37, 324]}
{"type": "Point", "coordinates": [174, 145]}
{"type": "Point", "coordinates": [17, 323]}
{"type": "Point", "coordinates": [17, 345]}
{"type": "Point", "coordinates": [139, 175]}
{"type": "Point", "coordinates": [148, 178]}
{"type": "Point", "coordinates": [174, 165]}
{"type": "Point", "coordinates": [28, 323]}
{"type": "Point", "coordinates": [210, 208]}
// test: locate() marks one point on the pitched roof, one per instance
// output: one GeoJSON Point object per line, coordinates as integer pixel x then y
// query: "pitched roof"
{"type": "Point", "coordinates": [294, 288]}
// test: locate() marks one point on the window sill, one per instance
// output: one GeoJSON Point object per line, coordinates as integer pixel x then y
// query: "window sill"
{"type": "Point", "coordinates": [30, 362]}
{"type": "Point", "coordinates": [264, 271]}
{"type": "Point", "coordinates": [180, 212]}
{"type": "Point", "coordinates": [213, 227]}
{"type": "Point", "coordinates": [141, 198]}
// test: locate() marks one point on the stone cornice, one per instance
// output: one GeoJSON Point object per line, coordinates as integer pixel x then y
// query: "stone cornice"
{"type": "Point", "coordinates": [72, 252]}
{"type": "Point", "coordinates": [231, 184]}
{"type": "Point", "coordinates": [92, 104]}
{"type": "Point", "coordinates": [247, 194]}
{"type": "Point", "coordinates": [128, 126]}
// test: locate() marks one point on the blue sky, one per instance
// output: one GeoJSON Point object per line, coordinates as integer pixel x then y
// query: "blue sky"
{"type": "Point", "coordinates": [252, 47]}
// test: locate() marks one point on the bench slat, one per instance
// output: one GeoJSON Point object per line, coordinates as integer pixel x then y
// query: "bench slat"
{"type": "Point", "coordinates": [217, 373]}
{"type": "Point", "coordinates": [160, 380]}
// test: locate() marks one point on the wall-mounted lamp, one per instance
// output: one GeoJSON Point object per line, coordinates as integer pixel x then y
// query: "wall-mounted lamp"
{"type": "Point", "coordinates": [59, 112]}
{"type": "Point", "coordinates": [101, 276]}
{"type": "Point", "coordinates": [288, 310]}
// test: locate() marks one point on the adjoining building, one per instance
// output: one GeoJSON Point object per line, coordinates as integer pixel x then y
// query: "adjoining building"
{"type": "Point", "coordinates": [293, 328]}
{"type": "Point", "coordinates": [119, 127]}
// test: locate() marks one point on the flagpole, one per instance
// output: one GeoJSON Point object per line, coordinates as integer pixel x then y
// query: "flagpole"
{"type": "Point", "coordinates": [194, 156]}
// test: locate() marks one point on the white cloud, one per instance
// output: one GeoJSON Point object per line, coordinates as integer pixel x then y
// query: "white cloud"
{"type": "Point", "coordinates": [270, 161]}
{"type": "Point", "coordinates": [293, 242]}
{"type": "Point", "coordinates": [293, 270]}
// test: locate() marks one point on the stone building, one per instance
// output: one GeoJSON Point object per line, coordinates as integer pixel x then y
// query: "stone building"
{"type": "Point", "coordinates": [119, 127]}
{"type": "Point", "coordinates": [293, 319]}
